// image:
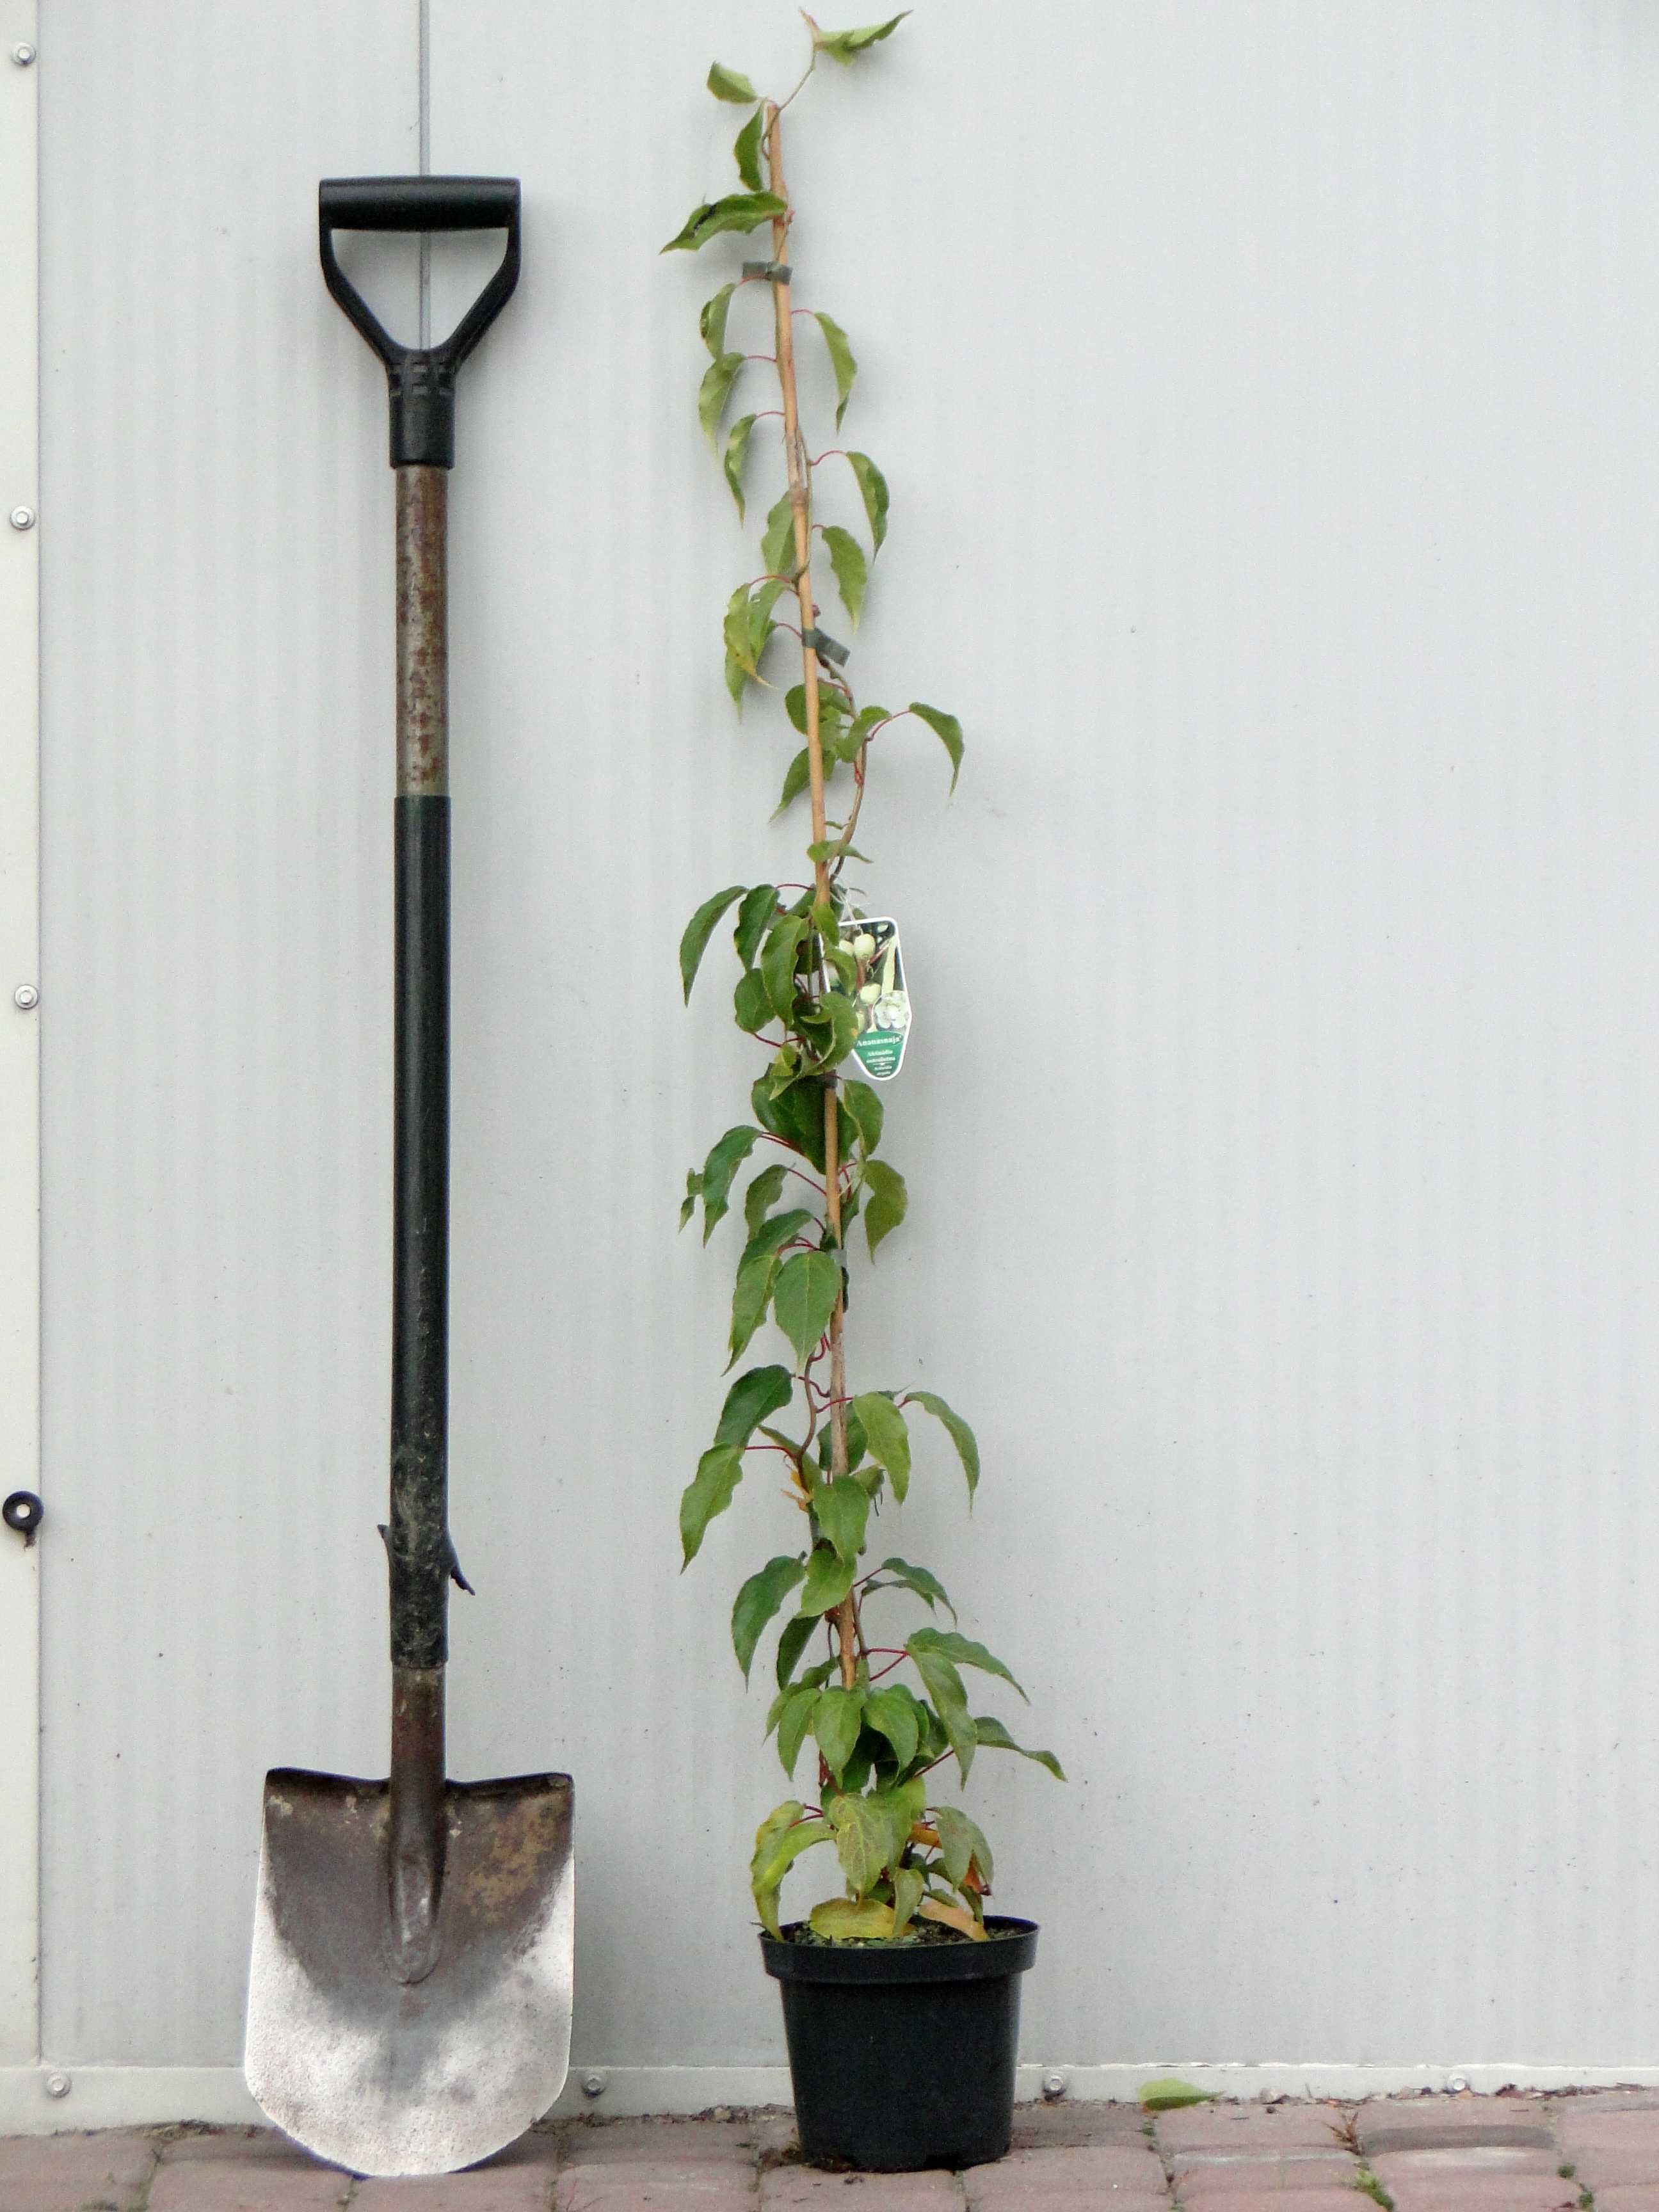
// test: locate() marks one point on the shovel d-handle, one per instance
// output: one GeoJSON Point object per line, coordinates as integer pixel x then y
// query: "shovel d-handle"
{"type": "Point", "coordinates": [421, 379]}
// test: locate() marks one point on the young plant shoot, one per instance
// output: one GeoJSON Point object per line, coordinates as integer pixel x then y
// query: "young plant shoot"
{"type": "Point", "coordinates": [883, 1716]}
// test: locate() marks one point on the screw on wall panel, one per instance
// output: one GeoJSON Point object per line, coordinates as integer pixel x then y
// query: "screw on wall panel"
{"type": "Point", "coordinates": [1457, 2083]}
{"type": "Point", "coordinates": [22, 517]}
{"type": "Point", "coordinates": [592, 2085]}
{"type": "Point", "coordinates": [22, 53]}
{"type": "Point", "coordinates": [24, 1512]}
{"type": "Point", "coordinates": [57, 2085]}
{"type": "Point", "coordinates": [1054, 2086]}
{"type": "Point", "coordinates": [26, 996]}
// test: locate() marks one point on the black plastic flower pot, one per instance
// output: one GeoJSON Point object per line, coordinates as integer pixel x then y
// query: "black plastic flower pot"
{"type": "Point", "coordinates": [903, 2058]}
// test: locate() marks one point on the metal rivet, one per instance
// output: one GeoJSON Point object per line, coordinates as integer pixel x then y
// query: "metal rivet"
{"type": "Point", "coordinates": [22, 517]}
{"type": "Point", "coordinates": [22, 54]}
{"type": "Point", "coordinates": [1053, 2085]}
{"type": "Point", "coordinates": [57, 2085]}
{"type": "Point", "coordinates": [26, 996]}
{"type": "Point", "coordinates": [1457, 2083]}
{"type": "Point", "coordinates": [592, 2085]}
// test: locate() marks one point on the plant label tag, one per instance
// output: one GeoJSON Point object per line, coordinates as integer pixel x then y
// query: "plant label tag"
{"type": "Point", "coordinates": [884, 1000]}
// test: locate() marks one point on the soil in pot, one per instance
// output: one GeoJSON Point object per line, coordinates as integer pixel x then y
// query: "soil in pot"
{"type": "Point", "coordinates": [903, 2054]}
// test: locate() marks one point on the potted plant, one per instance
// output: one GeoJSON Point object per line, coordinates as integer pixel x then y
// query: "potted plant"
{"type": "Point", "coordinates": [900, 1992]}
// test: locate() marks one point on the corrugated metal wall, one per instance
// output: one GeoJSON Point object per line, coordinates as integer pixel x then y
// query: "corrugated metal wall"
{"type": "Point", "coordinates": [1266, 396]}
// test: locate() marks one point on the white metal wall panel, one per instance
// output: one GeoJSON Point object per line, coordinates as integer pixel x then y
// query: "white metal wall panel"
{"type": "Point", "coordinates": [1264, 394]}
{"type": "Point", "coordinates": [20, 1034]}
{"type": "Point", "coordinates": [217, 654]}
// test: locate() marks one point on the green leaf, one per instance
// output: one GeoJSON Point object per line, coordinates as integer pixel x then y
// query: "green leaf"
{"type": "Point", "coordinates": [793, 1722]}
{"type": "Point", "coordinates": [756, 1603]}
{"type": "Point", "coordinates": [833, 709]}
{"type": "Point", "coordinates": [777, 964]}
{"type": "Point", "coordinates": [888, 1437]}
{"type": "Point", "coordinates": [798, 1117]}
{"type": "Point", "coordinates": [844, 46]}
{"type": "Point", "coordinates": [725, 1156]}
{"type": "Point", "coordinates": [851, 571]}
{"type": "Point", "coordinates": [755, 1395]}
{"type": "Point", "coordinates": [841, 360]}
{"type": "Point", "coordinates": [698, 930]}
{"type": "Point", "coordinates": [748, 624]}
{"type": "Point", "coordinates": [807, 1286]}
{"type": "Point", "coordinates": [835, 1724]}
{"type": "Point", "coordinates": [737, 678]}
{"type": "Point", "coordinates": [751, 1294]}
{"type": "Point", "coordinates": [715, 390]}
{"type": "Point", "coordinates": [778, 555]}
{"type": "Point", "coordinates": [872, 488]}
{"type": "Point", "coordinates": [833, 1030]}
{"type": "Point", "coordinates": [961, 1843]}
{"type": "Point", "coordinates": [865, 1841]}
{"type": "Point", "coordinates": [736, 452]}
{"type": "Point", "coordinates": [797, 776]}
{"type": "Point", "coordinates": [908, 1886]}
{"type": "Point", "coordinates": [775, 1232]}
{"type": "Point", "coordinates": [855, 1443]}
{"type": "Point", "coordinates": [889, 1201]}
{"type": "Point", "coordinates": [894, 1713]}
{"type": "Point", "coordinates": [779, 1842]}
{"type": "Point", "coordinates": [750, 1007]}
{"type": "Point", "coordinates": [754, 920]}
{"type": "Point", "coordinates": [711, 320]}
{"type": "Point", "coordinates": [693, 1190]}
{"type": "Point", "coordinates": [926, 1586]}
{"type": "Point", "coordinates": [962, 1649]}
{"type": "Point", "coordinates": [730, 84]}
{"type": "Point", "coordinates": [961, 1434]}
{"type": "Point", "coordinates": [761, 624]}
{"type": "Point", "coordinates": [739, 211]}
{"type": "Point", "coordinates": [843, 1920]}
{"type": "Point", "coordinates": [842, 1508]}
{"type": "Point", "coordinates": [865, 1110]}
{"type": "Point", "coordinates": [1171, 2095]}
{"type": "Point", "coordinates": [709, 1493]}
{"type": "Point", "coordinates": [995, 1737]}
{"type": "Point", "coordinates": [944, 1686]}
{"type": "Point", "coordinates": [763, 1195]}
{"type": "Point", "coordinates": [829, 1578]}
{"type": "Point", "coordinates": [746, 149]}
{"type": "Point", "coordinates": [795, 1636]}
{"type": "Point", "coordinates": [949, 733]}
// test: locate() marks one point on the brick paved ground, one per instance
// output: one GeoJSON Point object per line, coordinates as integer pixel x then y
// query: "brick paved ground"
{"type": "Point", "coordinates": [1434, 2153]}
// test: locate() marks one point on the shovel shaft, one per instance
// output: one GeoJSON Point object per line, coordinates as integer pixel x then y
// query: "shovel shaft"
{"type": "Point", "coordinates": [417, 1539]}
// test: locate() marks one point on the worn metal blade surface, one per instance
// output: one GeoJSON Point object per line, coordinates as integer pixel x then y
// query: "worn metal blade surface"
{"type": "Point", "coordinates": [389, 2077]}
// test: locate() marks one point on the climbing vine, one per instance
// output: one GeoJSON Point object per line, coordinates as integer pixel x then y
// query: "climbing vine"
{"type": "Point", "coordinates": [811, 983]}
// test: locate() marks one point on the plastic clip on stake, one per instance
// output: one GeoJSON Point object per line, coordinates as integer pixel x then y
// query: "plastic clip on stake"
{"type": "Point", "coordinates": [826, 648]}
{"type": "Point", "coordinates": [768, 272]}
{"type": "Point", "coordinates": [421, 379]}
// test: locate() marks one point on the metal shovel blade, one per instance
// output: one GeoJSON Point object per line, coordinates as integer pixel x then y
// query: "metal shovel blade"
{"type": "Point", "coordinates": [398, 2077]}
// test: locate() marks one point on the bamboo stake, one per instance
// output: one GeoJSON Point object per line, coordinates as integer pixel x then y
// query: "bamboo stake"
{"type": "Point", "coordinates": [800, 500]}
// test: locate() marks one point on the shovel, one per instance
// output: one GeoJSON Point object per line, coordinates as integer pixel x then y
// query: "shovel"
{"type": "Point", "coordinates": [409, 1998]}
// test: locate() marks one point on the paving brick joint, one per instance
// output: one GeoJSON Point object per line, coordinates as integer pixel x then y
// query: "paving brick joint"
{"type": "Point", "coordinates": [1432, 2152]}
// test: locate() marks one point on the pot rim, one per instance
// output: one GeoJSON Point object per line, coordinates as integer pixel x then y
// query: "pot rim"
{"type": "Point", "coordinates": [1012, 1949]}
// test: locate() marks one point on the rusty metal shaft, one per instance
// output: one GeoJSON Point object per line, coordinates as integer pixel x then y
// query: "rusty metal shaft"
{"type": "Point", "coordinates": [417, 1534]}
{"type": "Point", "coordinates": [423, 633]}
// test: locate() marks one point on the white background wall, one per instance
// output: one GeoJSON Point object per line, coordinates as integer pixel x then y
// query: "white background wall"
{"type": "Point", "coordinates": [1266, 394]}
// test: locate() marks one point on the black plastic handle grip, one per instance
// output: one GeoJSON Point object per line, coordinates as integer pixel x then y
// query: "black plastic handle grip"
{"type": "Point", "coordinates": [421, 379]}
{"type": "Point", "coordinates": [418, 203]}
